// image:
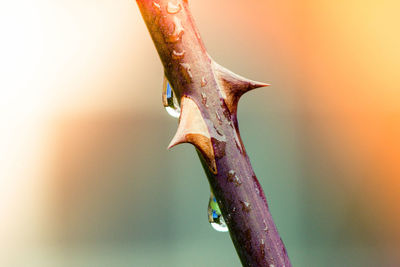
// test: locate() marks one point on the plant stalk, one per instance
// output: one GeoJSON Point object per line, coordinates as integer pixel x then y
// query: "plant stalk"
{"type": "Point", "coordinates": [208, 95]}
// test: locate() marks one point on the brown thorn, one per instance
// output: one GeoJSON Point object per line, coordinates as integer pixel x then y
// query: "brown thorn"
{"type": "Point", "coordinates": [193, 129]}
{"type": "Point", "coordinates": [233, 86]}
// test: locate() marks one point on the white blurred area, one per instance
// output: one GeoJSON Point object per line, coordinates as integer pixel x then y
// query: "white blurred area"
{"type": "Point", "coordinates": [57, 58]}
{"type": "Point", "coordinates": [24, 100]}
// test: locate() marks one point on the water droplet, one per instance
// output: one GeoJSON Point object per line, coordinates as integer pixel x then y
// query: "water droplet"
{"type": "Point", "coordinates": [204, 99]}
{"type": "Point", "coordinates": [257, 190]}
{"type": "Point", "coordinates": [170, 101]}
{"type": "Point", "coordinates": [156, 6]}
{"type": "Point", "coordinates": [232, 177]}
{"type": "Point", "coordinates": [173, 8]}
{"type": "Point", "coordinates": [187, 72]}
{"type": "Point", "coordinates": [266, 226]}
{"type": "Point", "coordinates": [215, 216]}
{"type": "Point", "coordinates": [246, 206]}
{"type": "Point", "coordinates": [238, 144]}
{"type": "Point", "coordinates": [262, 248]}
{"type": "Point", "coordinates": [218, 117]}
{"type": "Point", "coordinates": [178, 55]}
{"type": "Point", "coordinates": [178, 31]}
{"type": "Point", "coordinates": [203, 81]}
{"type": "Point", "coordinates": [198, 35]}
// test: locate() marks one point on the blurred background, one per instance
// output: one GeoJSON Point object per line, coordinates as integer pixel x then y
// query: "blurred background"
{"type": "Point", "coordinates": [85, 177]}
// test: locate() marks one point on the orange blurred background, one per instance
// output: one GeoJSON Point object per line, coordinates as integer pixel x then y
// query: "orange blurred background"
{"type": "Point", "coordinates": [85, 179]}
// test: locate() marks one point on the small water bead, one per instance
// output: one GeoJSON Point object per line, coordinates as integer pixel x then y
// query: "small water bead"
{"type": "Point", "coordinates": [257, 190]}
{"type": "Point", "coordinates": [170, 101]}
{"type": "Point", "coordinates": [238, 144]}
{"type": "Point", "coordinates": [204, 99]}
{"type": "Point", "coordinates": [246, 206]}
{"type": "Point", "coordinates": [262, 248]}
{"type": "Point", "coordinates": [156, 6]}
{"type": "Point", "coordinates": [187, 72]}
{"type": "Point", "coordinates": [178, 55]}
{"type": "Point", "coordinates": [266, 226]}
{"type": "Point", "coordinates": [173, 8]}
{"type": "Point", "coordinates": [232, 177]}
{"type": "Point", "coordinates": [178, 31]}
{"type": "Point", "coordinates": [215, 216]}
{"type": "Point", "coordinates": [203, 82]}
{"type": "Point", "coordinates": [218, 117]}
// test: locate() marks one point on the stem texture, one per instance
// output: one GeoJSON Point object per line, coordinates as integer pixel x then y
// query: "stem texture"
{"type": "Point", "coordinates": [208, 95]}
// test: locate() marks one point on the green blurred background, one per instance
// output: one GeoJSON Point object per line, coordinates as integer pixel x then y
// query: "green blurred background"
{"type": "Point", "coordinates": [86, 179]}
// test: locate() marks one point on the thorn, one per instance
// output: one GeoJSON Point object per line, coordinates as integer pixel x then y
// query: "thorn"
{"type": "Point", "coordinates": [233, 86]}
{"type": "Point", "coordinates": [193, 129]}
{"type": "Point", "coordinates": [177, 139]}
{"type": "Point", "coordinates": [190, 122]}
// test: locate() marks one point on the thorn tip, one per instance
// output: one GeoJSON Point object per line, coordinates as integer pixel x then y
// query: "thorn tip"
{"type": "Point", "coordinates": [233, 86]}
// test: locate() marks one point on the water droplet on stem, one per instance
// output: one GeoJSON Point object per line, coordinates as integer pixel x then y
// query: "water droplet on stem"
{"type": "Point", "coordinates": [265, 226]}
{"type": "Point", "coordinates": [204, 99]}
{"type": "Point", "coordinates": [218, 117]}
{"type": "Point", "coordinates": [178, 55]}
{"type": "Point", "coordinates": [238, 144]}
{"type": "Point", "coordinates": [187, 72]}
{"type": "Point", "coordinates": [203, 82]}
{"type": "Point", "coordinates": [215, 216]}
{"type": "Point", "coordinates": [232, 177]}
{"type": "Point", "coordinates": [246, 206]}
{"type": "Point", "coordinates": [170, 101]}
{"type": "Point", "coordinates": [178, 31]}
{"type": "Point", "coordinates": [173, 8]}
{"type": "Point", "coordinates": [157, 6]}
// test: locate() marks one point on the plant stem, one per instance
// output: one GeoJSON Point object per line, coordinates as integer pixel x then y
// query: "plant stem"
{"type": "Point", "coordinates": [209, 95]}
